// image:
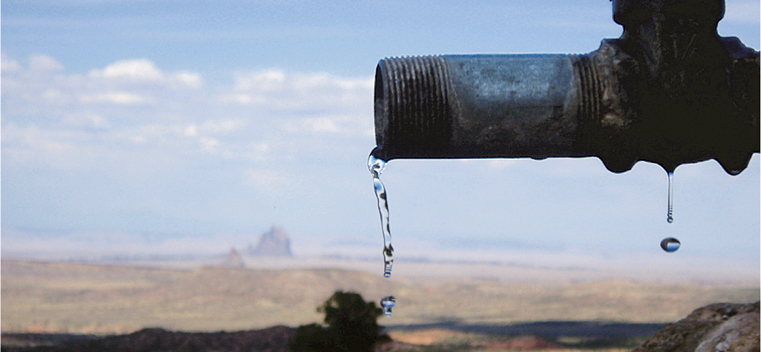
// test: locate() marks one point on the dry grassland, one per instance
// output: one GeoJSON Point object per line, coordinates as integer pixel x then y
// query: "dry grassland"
{"type": "Point", "coordinates": [86, 298]}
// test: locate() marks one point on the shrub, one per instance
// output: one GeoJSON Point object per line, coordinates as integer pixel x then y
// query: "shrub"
{"type": "Point", "coordinates": [351, 326]}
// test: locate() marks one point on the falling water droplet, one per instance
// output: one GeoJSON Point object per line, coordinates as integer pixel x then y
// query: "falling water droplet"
{"type": "Point", "coordinates": [670, 216]}
{"type": "Point", "coordinates": [670, 244]}
{"type": "Point", "coordinates": [376, 166]}
{"type": "Point", "coordinates": [387, 303]}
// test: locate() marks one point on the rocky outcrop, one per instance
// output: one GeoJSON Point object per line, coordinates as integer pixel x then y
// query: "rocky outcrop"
{"type": "Point", "coordinates": [233, 260]}
{"type": "Point", "coordinates": [274, 242]}
{"type": "Point", "coordinates": [720, 327]}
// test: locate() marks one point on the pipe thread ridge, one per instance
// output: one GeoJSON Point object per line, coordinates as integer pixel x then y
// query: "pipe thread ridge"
{"type": "Point", "coordinates": [419, 113]}
{"type": "Point", "coordinates": [590, 88]}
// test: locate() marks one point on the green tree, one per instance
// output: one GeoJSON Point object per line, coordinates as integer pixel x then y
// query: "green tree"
{"type": "Point", "coordinates": [352, 326]}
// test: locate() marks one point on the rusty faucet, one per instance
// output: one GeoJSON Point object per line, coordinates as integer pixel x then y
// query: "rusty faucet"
{"type": "Point", "coordinates": [670, 91]}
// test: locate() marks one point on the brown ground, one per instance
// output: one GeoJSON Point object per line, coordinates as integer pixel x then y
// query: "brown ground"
{"type": "Point", "coordinates": [86, 298]}
{"type": "Point", "coordinates": [275, 339]}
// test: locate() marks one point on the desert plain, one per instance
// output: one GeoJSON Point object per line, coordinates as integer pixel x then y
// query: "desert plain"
{"type": "Point", "coordinates": [435, 301]}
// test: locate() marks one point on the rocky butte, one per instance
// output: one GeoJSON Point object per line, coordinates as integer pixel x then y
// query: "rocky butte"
{"type": "Point", "coordinates": [274, 243]}
{"type": "Point", "coordinates": [233, 260]}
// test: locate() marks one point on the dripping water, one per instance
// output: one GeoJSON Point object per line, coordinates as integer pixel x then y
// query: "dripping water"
{"type": "Point", "coordinates": [376, 165]}
{"type": "Point", "coordinates": [670, 244]}
{"type": "Point", "coordinates": [670, 215]}
{"type": "Point", "coordinates": [387, 303]}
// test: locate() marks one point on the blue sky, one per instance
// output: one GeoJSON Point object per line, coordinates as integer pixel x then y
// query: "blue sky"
{"type": "Point", "coordinates": [193, 126]}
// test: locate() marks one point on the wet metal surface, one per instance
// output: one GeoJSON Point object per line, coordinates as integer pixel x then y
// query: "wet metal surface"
{"type": "Point", "coordinates": [669, 91]}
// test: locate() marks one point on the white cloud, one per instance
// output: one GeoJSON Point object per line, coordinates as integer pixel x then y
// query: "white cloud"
{"type": "Point", "coordinates": [348, 125]}
{"type": "Point", "coordinates": [32, 145]}
{"type": "Point", "coordinates": [133, 109]}
{"type": "Point", "coordinates": [243, 99]}
{"type": "Point", "coordinates": [87, 120]}
{"type": "Point", "coordinates": [322, 124]}
{"type": "Point", "coordinates": [222, 126]}
{"type": "Point", "coordinates": [44, 63]}
{"type": "Point", "coordinates": [317, 103]}
{"type": "Point", "coordinates": [205, 136]}
{"type": "Point", "coordinates": [208, 144]}
{"type": "Point", "coordinates": [144, 70]}
{"type": "Point", "coordinates": [44, 92]}
{"type": "Point", "coordinates": [141, 69]}
{"type": "Point", "coordinates": [10, 65]}
{"type": "Point", "coordinates": [189, 79]}
{"type": "Point", "coordinates": [276, 89]}
{"type": "Point", "coordinates": [267, 80]}
{"type": "Point", "coordinates": [191, 130]}
{"type": "Point", "coordinates": [54, 95]}
{"type": "Point", "coordinates": [122, 98]}
{"type": "Point", "coordinates": [258, 151]}
{"type": "Point", "coordinates": [160, 135]}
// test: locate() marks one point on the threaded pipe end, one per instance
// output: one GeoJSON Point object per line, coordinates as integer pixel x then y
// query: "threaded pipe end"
{"type": "Point", "coordinates": [590, 102]}
{"type": "Point", "coordinates": [592, 138]}
{"type": "Point", "coordinates": [413, 117]}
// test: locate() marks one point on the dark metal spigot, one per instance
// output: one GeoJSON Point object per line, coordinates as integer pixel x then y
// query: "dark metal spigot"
{"type": "Point", "coordinates": [670, 90]}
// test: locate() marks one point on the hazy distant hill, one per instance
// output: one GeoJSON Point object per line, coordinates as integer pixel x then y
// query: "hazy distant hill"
{"type": "Point", "coordinates": [274, 242]}
{"type": "Point", "coordinates": [233, 260]}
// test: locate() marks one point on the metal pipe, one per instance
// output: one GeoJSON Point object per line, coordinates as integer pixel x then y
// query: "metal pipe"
{"type": "Point", "coordinates": [477, 106]}
{"type": "Point", "coordinates": [669, 91]}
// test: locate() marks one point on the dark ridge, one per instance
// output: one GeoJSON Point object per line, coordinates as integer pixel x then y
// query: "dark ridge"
{"type": "Point", "coordinates": [274, 339]}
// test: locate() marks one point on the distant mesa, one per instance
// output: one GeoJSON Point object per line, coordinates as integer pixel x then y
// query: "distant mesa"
{"type": "Point", "coordinates": [273, 243]}
{"type": "Point", "coordinates": [233, 260]}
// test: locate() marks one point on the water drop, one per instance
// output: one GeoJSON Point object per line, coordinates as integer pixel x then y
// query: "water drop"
{"type": "Point", "coordinates": [376, 166]}
{"type": "Point", "coordinates": [670, 215]}
{"type": "Point", "coordinates": [387, 303]}
{"type": "Point", "coordinates": [670, 244]}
